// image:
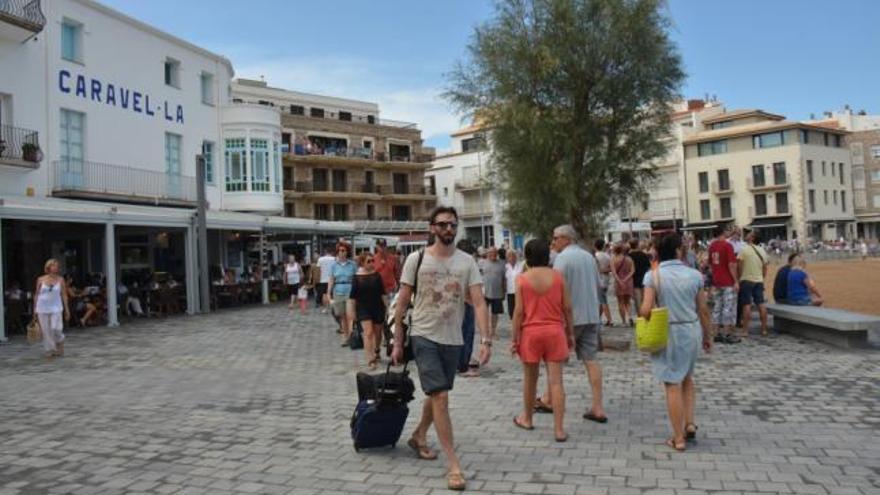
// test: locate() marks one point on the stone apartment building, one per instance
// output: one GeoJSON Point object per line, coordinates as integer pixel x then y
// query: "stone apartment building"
{"type": "Point", "coordinates": [864, 144]}
{"type": "Point", "coordinates": [865, 148]}
{"type": "Point", "coordinates": [341, 161]}
{"type": "Point", "coordinates": [754, 169]}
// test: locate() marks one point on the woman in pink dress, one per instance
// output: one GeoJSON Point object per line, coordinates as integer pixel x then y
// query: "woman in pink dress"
{"type": "Point", "coordinates": [622, 268]}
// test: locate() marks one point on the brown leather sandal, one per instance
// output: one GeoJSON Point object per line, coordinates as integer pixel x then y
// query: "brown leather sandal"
{"type": "Point", "coordinates": [422, 451]}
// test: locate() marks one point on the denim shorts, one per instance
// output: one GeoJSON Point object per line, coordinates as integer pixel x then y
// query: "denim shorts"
{"type": "Point", "coordinates": [437, 364]}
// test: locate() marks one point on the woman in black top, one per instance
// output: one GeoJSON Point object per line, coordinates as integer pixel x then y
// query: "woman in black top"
{"type": "Point", "coordinates": [366, 305]}
{"type": "Point", "coordinates": [641, 264]}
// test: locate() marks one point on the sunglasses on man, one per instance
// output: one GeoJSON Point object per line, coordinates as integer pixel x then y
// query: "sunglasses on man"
{"type": "Point", "coordinates": [445, 225]}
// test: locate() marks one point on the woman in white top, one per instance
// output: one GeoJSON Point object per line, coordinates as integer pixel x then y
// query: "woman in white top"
{"type": "Point", "coordinates": [511, 270]}
{"type": "Point", "coordinates": [292, 277]}
{"type": "Point", "coordinates": [50, 304]}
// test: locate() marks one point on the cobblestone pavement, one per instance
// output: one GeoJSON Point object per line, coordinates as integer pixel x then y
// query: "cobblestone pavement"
{"type": "Point", "coordinates": [258, 401]}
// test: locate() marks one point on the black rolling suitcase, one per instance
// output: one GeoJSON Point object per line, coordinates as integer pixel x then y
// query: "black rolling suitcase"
{"type": "Point", "coordinates": [381, 411]}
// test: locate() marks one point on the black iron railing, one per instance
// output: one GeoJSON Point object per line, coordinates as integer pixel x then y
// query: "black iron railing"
{"type": "Point", "coordinates": [19, 144]}
{"type": "Point", "coordinates": [26, 13]}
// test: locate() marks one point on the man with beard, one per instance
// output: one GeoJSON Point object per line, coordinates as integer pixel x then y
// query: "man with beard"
{"type": "Point", "coordinates": [443, 280]}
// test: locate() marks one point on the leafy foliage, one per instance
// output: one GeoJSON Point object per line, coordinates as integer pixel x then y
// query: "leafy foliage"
{"type": "Point", "coordinates": [576, 95]}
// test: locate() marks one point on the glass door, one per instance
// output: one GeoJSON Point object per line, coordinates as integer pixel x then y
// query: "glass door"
{"type": "Point", "coordinates": [70, 172]}
{"type": "Point", "coordinates": [172, 164]}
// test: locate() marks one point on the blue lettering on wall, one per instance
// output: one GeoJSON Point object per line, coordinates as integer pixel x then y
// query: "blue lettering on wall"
{"type": "Point", "coordinates": [96, 90]}
{"type": "Point", "coordinates": [124, 97]}
{"type": "Point", "coordinates": [81, 86]}
{"type": "Point", "coordinates": [128, 98]}
{"type": "Point", "coordinates": [111, 95]}
{"type": "Point", "coordinates": [63, 75]}
{"type": "Point", "coordinates": [147, 106]}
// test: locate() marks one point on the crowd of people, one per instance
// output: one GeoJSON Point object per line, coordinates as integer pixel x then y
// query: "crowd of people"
{"type": "Point", "coordinates": [556, 295]}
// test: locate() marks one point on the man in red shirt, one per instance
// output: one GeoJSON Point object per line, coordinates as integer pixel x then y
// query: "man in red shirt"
{"type": "Point", "coordinates": [722, 260]}
{"type": "Point", "coordinates": [386, 265]}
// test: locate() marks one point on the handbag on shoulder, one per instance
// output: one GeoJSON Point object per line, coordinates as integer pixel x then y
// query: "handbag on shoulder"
{"type": "Point", "coordinates": [652, 335]}
{"type": "Point", "coordinates": [34, 332]}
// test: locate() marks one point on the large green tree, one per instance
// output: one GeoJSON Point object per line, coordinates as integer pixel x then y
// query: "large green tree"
{"type": "Point", "coordinates": [576, 95]}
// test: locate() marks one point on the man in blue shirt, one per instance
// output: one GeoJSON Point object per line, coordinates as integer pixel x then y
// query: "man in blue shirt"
{"type": "Point", "coordinates": [780, 283]}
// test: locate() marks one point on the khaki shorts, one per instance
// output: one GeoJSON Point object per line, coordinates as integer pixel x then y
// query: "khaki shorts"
{"type": "Point", "coordinates": [339, 305]}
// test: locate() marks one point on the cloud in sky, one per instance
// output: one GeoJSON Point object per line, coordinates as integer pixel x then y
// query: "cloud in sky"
{"type": "Point", "coordinates": [401, 92]}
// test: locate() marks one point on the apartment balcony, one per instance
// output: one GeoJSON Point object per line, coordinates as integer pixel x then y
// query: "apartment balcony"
{"type": "Point", "coordinates": [19, 147]}
{"type": "Point", "coordinates": [387, 225]}
{"type": "Point", "coordinates": [723, 216]}
{"type": "Point", "coordinates": [106, 182]}
{"type": "Point", "coordinates": [782, 184]}
{"type": "Point", "coordinates": [766, 213]}
{"type": "Point", "coordinates": [472, 183]}
{"type": "Point", "coordinates": [20, 19]}
{"type": "Point", "coordinates": [359, 157]}
{"type": "Point", "coordinates": [721, 189]}
{"type": "Point", "coordinates": [408, 192]}
{"type": "Point", "coordinates": [475, 211]}
{"type": "Point", "coordinates": [349, 190]}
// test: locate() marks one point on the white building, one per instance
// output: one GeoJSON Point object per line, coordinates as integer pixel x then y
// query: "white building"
{"type": "Point", "coordinates": [101, 119]}
{"type": "Point", "coordinates": [461, 179]}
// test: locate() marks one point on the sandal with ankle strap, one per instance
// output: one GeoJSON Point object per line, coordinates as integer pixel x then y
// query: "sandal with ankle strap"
{"type": "Point", "coordinates": [677, 446]}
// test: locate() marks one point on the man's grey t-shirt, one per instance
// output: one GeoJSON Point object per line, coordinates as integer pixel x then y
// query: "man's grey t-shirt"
{"type": "Point", "coordinates": [438, 309]}
{"type": "Point", "coordinates": [493, 278]}
{"type": "Point", "coordinates": [581, 275]}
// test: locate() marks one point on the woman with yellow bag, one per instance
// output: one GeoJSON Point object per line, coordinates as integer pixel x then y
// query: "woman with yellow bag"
{"type": "Point", "coordinates": [689, 325]}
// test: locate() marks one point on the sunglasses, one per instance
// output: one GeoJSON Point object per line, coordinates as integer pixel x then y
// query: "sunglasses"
{"type": "Point", "coordinates": [445, 225]}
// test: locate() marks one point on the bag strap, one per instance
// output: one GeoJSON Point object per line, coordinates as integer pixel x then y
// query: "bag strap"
{"type": "Point", "coordinates": [655, 275]}
{"type": "Point", "coordinates": [412, 299]}
{"type": "Point", "coordinates": [758, 253]}
{"type": "Point", "coordinates": [416, 278]}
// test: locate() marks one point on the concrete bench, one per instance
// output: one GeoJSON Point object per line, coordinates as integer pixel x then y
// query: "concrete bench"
{"type": "Point", "coordinates": [833, 326]}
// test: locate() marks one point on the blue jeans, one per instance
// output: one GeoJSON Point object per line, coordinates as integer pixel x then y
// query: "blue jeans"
{"type": "Point", "coordinates": [467, 333]}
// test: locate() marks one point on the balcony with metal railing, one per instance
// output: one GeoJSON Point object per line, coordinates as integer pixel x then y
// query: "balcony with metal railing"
{"type": "Point", "coordinates": [472, 182]}
{"type": "Point", "coordinates": [19, 147]}
{"type": "Point", "coordinates": [781, 210]}
{"type": "Point", "coordinates": [107, 182]}
{"type": "Point", "coordinates": [20, 19]}
{"type": "Point", "coordinates": [721, 189]}
{"type": "Point", "coordinates": [760, 186]}
{"type": "Point", "coordinates": [356, 155]}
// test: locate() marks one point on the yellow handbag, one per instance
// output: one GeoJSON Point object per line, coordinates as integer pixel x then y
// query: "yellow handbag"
{"type": "Point", "coordinates": [653, 334]}
{"type": "Point", "coordinates": [34, 333]}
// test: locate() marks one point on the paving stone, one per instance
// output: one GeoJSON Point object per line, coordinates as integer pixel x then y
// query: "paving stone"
{"type": "Point", "coordinates": [257, 400]}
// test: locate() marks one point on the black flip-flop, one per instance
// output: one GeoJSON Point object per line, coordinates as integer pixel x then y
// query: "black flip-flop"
{"type": "Point", "coordinates": [520, 425]}
{"type": "Point", "coordinates": [562, 439]}
{"type": "Point", "coordinates": [592, 417]}
{"type": "Point", "coordinates": [690, 434]}
{"type": "Point", "coordinates": [542, 407]}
